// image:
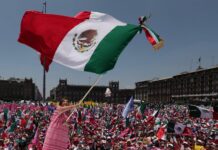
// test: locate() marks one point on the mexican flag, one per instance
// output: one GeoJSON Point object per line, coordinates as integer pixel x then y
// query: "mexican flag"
{"type": "Point", "coordinates": [89, 41]}
{"type": "Point", "coordinates": [199, 112]}
{"type": "Point", "coordinates": [151, 118]}
{"type": "Point", "coordinates": [142, 107]}
{"type": "Point", "coordinates": [175, 127]}
{"type": "Point", "coordinates": [12, 127]}
{"type": "Point", "coordinates": [141, 110]}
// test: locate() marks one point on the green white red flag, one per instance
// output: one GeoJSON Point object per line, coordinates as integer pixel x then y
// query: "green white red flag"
{"type": "Point", "coordinates": [89, 41]}
{"type": "Point", "coordinates": [200, 112]}
{"type": "Point", "coordinates": [175, 127]}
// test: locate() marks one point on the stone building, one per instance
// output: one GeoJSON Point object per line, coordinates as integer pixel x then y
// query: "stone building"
{"type": "Point", "coordinates": [198, 85]}
{"type": "Point", "coordinates": [76, 92]}
{"type": "Point", "coordinates": [19, 89]}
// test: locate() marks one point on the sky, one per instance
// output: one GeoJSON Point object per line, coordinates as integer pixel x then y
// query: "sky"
{"type": "Point", "coordinates": [188, 27]}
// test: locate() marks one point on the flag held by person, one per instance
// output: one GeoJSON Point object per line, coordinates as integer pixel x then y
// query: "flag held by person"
{"type": "Point", "coordinates": [161, 133]}
{"type": "Point", "coordinates": [89, 41]}
{"type": "Point", "coordinates": [199, 112]}
{"type": "Point", "coordinates": [128, 108]}
{"type": "Point", "coordinates": [151, 118]}
{"type": "Point", "coordinates": [175, 127]}
{"type": "Point", "coordinates": [12, 127]}
{"type": "Point", "coordinates": [142, 108]}
{"type": "Point", "coordinates": [155, 113]}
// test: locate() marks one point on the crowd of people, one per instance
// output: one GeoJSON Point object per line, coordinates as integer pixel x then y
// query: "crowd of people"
{"type": "Point", "coordinates": [19, 124]}
{"type": "Point", "coordinates": [102, 127]}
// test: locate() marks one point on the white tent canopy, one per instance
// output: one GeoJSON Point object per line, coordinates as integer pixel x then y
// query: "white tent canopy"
{"type": "Point", "coordinates": [107, 93]}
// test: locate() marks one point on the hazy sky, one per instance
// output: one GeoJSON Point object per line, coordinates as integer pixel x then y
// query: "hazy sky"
{"type": "Point", "coordinates": [188, 27]}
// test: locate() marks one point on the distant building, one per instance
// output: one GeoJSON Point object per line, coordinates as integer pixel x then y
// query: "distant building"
{"type": "Point", "coordinates": [199, 85]}
{"type": "Point", "coordinates": [141, 90]}
{"type": "Point", "coordinates": [76, 92]}
{"type": "Point", "coordinates": [114, 87]}
{"type": "Point", "coordinates": [19, 89]}
{"type": "Point", "coordinates": [38, 95]}
{"type": "Point", "coordinates": [124, 95]}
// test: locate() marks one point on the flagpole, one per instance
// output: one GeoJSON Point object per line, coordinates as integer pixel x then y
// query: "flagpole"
{"type": "Point", "coordinates": [199, 60]}
{"type": "Point", "coordinates": [44, 78]}
{"type": "Point", "coordinates": [44, 61]}
{"type": "Point", "coordinates": [80, 102]}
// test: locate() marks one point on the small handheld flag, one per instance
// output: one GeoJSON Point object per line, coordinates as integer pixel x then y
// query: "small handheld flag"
{"type": "Point", "coordinates": [128, 108]}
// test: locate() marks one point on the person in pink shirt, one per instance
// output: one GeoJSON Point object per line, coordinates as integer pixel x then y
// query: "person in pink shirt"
{"type": "Point", "coordinates": [57, 134]}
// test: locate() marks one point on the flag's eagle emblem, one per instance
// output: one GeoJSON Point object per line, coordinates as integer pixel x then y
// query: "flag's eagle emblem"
{"type": "Point", "coordinates": [85, 41]}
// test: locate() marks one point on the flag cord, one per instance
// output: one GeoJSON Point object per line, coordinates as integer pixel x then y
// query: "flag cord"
{"type": "Point", "coordinates": [80, 102]}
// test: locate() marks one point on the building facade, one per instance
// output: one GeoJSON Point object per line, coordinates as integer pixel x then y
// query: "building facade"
{"type": "Point", "coordinates": [141, 90]}
{"type": "Point", "coordinates": [124, 95]}
{"type": "Point", "coordinates": [199, 85]}
{"type": "Point", "coordinates": [76, 92]}
{"type": "Point", "coordinates": [19, 89]}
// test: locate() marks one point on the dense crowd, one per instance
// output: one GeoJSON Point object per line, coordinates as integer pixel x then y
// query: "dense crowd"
{"type": "Point", "coordinates": [102, 127]}
{"type": "Point", "coordinates": [19, 124]}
